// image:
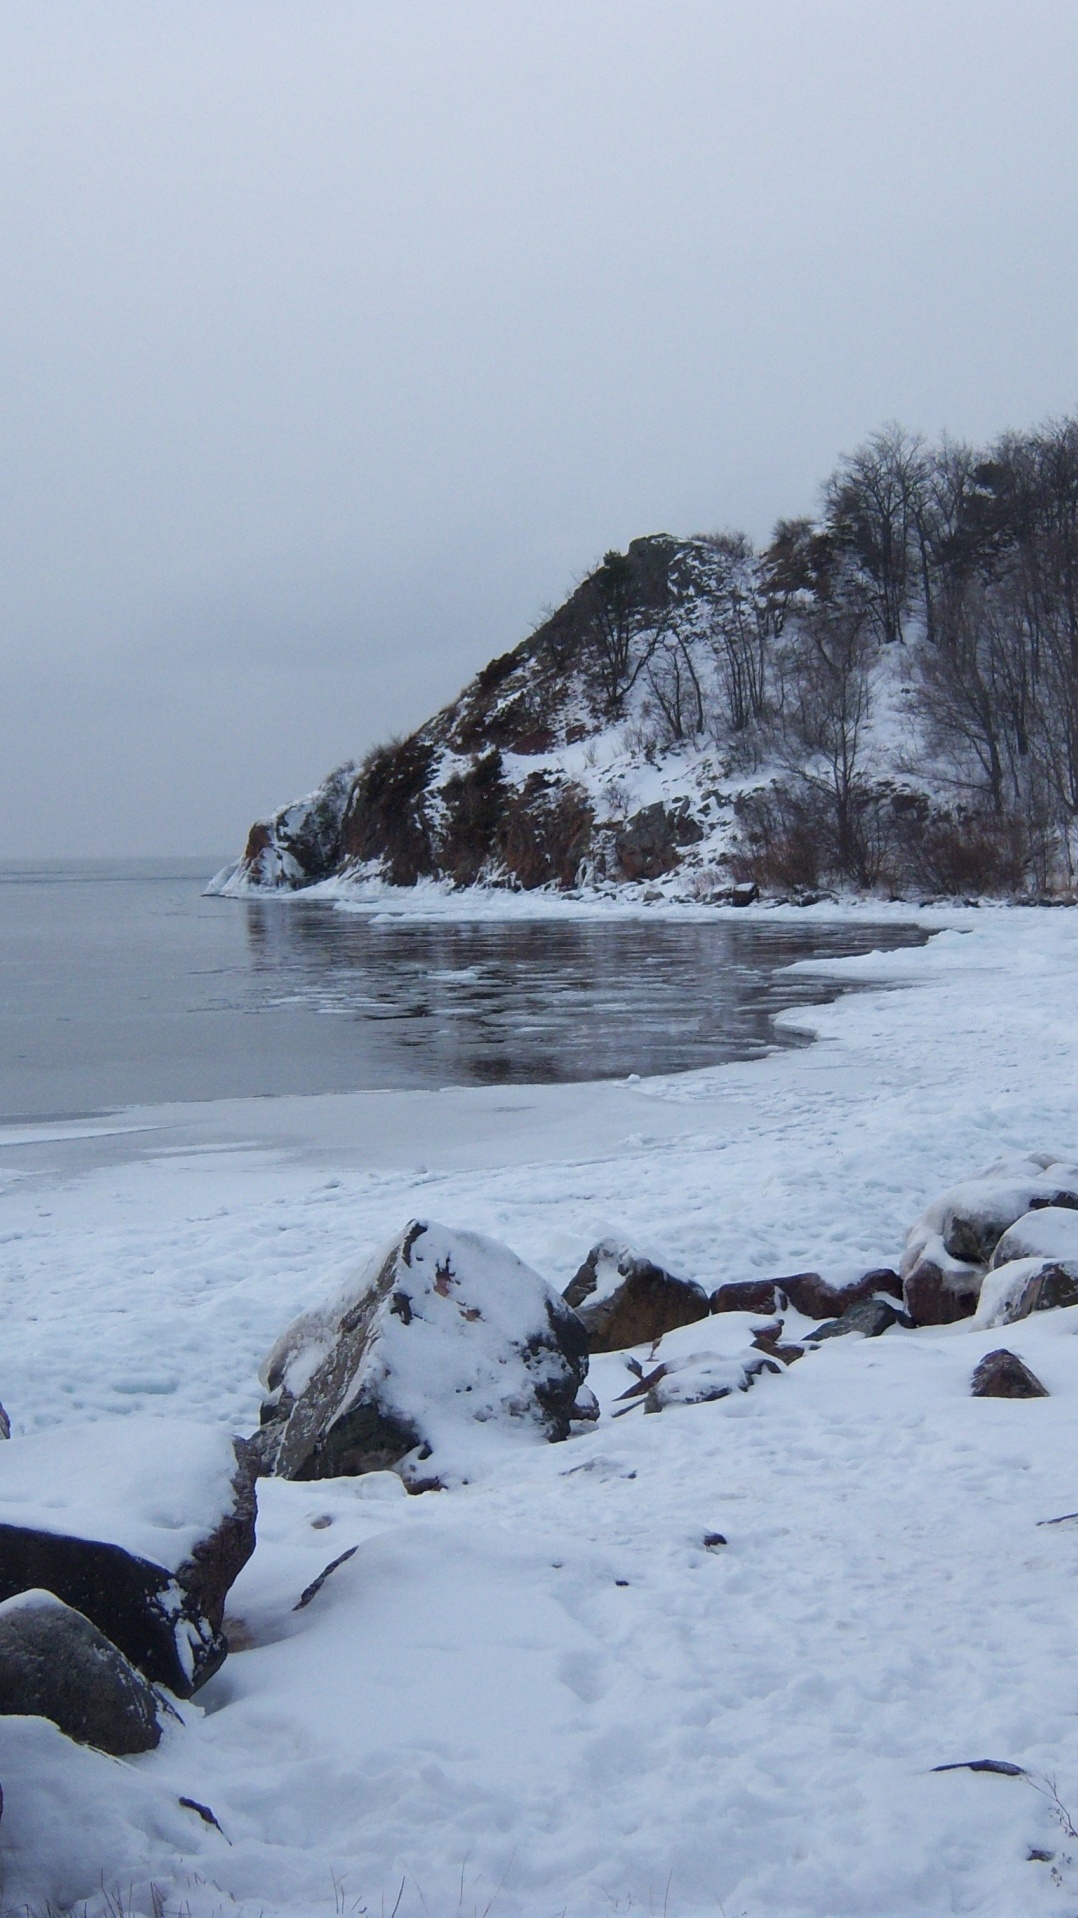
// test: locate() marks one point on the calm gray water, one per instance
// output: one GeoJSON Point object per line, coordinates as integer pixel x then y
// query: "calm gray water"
{"type": "Point", "coordinates": [120, 984]}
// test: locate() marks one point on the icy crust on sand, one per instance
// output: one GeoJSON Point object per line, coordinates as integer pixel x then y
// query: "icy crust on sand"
{"type": "Point", "coordinates": [153, 1486]}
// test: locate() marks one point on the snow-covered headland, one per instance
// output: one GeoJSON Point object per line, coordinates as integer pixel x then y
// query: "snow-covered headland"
{"type": "Point", "coordinates": [542, 1691]}
{"type": "Point", "coordinates": [884, 700]}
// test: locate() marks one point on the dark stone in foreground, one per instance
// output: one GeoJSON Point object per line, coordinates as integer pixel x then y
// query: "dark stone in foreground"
{"type": "Point", "coordinates": [638, 1302]}
{"type": "Point", "coordinates": [55, 1664]}
{"type": "Point", "coordinates": [138, 1606]}
{"type": "Point", "coordinates": [1003, 1375]}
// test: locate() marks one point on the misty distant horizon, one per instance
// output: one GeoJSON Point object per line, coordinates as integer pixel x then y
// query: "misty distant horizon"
{"type": "Point", "coordinates": [340, 343]}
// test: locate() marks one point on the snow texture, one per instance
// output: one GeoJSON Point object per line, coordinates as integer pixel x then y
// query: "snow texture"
{"type": "Point", "coordinates": [543, 1692]}
{"type": "Point", "coordinates": [153, 1487]}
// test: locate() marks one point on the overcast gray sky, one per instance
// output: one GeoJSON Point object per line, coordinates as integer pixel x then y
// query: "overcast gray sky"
{"type": "Point", "coordinates": [338, 337]}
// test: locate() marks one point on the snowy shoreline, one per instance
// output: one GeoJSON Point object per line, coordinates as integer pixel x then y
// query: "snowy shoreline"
{"type": "Point", "coordinates": [475, 1698]}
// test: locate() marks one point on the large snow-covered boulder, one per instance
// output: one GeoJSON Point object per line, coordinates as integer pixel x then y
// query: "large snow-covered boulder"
{"type": "Point", "coordinates": [625, 1300]}
{"type": "Point", "coordinates": [949, 1247]}
{"type": "Point", "coordinates": [141, 1524]}
{"type": "Point", "coordinates": [55, 1664]}
{"type": "Point", "coordinates": [443, 1344]}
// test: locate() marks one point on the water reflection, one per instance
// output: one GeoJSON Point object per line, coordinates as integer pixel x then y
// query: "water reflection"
{"type": "Point", "coordinates": [540, 1001]}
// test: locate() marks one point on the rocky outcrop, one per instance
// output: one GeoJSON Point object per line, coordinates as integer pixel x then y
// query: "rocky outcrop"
{"type": "Point", "coordinates": [1003, 1375]}
{"type": "Point", "coordinates": [649, 844]}
{"type": "Point", "coordinates": [442, 1345]}
{"type": "Point", "coordinates": [625, 1300]}
{"type": "Point", "coordinates": [55, 1664]}
{"type": "Point", "coordinates": [297, 846]}
{"type": "Point", "coordinates": [141, 1525]}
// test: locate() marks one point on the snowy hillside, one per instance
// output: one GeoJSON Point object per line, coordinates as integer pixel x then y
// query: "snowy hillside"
{"type": "Point", "coordinates": [884, 700]}
{"type": "Point", "coordinates": [529, 778]}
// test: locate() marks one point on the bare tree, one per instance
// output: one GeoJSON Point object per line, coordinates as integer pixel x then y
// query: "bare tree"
{"type": "Point", "coordinates": [828, 686]}
{"type": "Point", "coordinates": [872, 509]}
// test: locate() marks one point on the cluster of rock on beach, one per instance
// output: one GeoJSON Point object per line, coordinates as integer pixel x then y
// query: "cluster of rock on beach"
{"type": "Point", "coordinates": [119, 1541]}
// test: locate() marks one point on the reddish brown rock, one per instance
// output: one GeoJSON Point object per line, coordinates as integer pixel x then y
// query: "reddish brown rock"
{"type": "Point", "coordinates": [747, 1295]}
{"type": "Point", "coordinates": [813, 1296]}
{"type": "Point", "coordinates": [939, 1292]}
{"type": "Point", "coordinates": [1003, 1375]}
{"type": "Point", "coordinates": [625, 1300]}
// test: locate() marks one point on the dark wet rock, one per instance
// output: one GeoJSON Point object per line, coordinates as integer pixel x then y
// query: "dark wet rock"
{"type": "Point", "coordinates": [624, 1300]}
{"type": "Point", "coordinates": [442, 1338]}
{"type": "Point", "coordinates": [164, 1617]}
{"type": "Point", "coordinates": [807, 1292]}
{"type": "Point", "coordinates": [5, 1424]}
{"type": "Point", "coordinates": [1003, 1375]}
{"type": "Point", "coordinates": [56, 1664]}
{"type": "Point", "coordinates": [869, 1317]}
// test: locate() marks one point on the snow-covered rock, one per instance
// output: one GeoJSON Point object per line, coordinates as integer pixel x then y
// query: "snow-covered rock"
{"type": "Point", "coordinates": [55, 1664]}
{"type": "Point", "coordinates": [1050, 1232]}
{"type": "Point", "coordinates": [141, 1524]}
{"type": "Point", "coordinates": [625, 1300]}
{"type": "Point", "coordinates": [1018, 1287]}
{"type": "Point", "coordinates": [443, 1344]}
{"type": "Point", "coordinates": [701, 1377]}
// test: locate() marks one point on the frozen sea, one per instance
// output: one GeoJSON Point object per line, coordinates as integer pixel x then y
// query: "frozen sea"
{"type": "Point", "coordinates": [122, 984]}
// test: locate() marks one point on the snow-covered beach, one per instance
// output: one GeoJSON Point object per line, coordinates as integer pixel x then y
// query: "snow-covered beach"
{"type": "Point", "coordinates": [542, 1692]}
